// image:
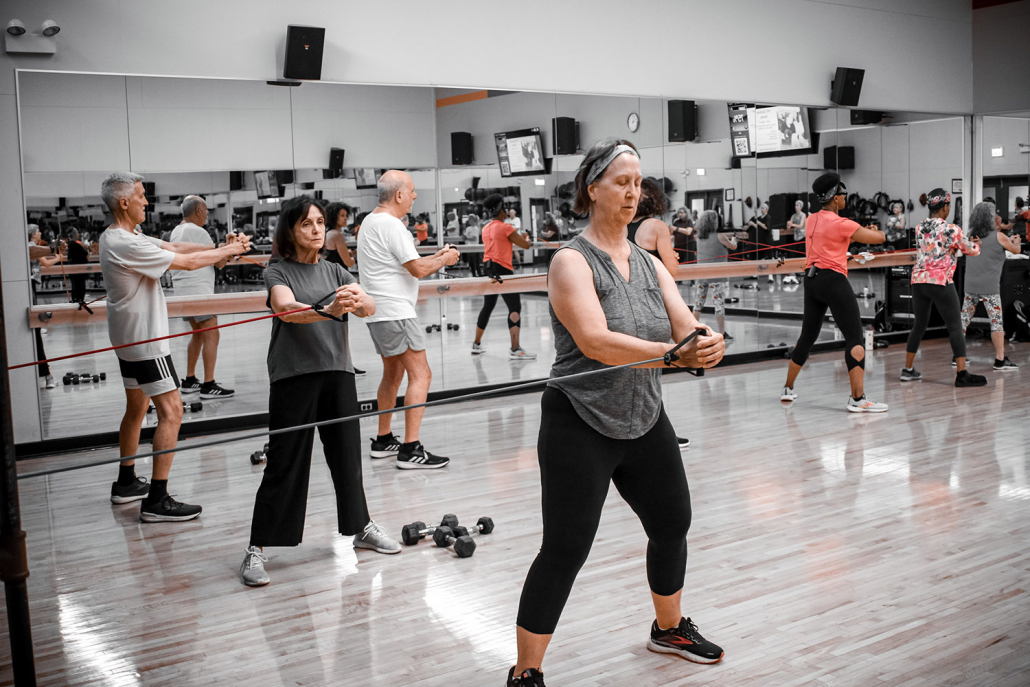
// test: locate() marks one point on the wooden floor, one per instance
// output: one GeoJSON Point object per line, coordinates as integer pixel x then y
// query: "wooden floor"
{"type": "Point", "coordinates": [826, 549]}
{"type": "Point", "coordinates": [67, 410]}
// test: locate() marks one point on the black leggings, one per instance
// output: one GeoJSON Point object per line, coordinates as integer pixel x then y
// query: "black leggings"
{"type": "Point", "coordinates": [829, 289]}
{"type": "Point", "coordinates": [43, 368]}
{"type": "Point", "coordinates": [945, 297]}
{"type": "Point", "coordinates": [512, 300]}
{"type": "Point", "coordinates": [577, 463]}
{"type": "Point", "coordinates": [282, 497]}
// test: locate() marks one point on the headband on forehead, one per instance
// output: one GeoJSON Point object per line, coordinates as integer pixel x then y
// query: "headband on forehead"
{"type": "Point", "coordinates": [938, 201]}
{"type": "Point", "coordinates": [838, 189]}
{"type": "Point", "coordinates": [602, 163]}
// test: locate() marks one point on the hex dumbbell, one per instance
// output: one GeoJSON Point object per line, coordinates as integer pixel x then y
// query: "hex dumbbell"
{"type": "Point", "coordinates": [464, 546]}
{"type": "Point", "coordinates": [483, 526]}
{"type": "Point", "coordinates": [258, 457]}
{"type": "Point", "coordinates": [417, 531]}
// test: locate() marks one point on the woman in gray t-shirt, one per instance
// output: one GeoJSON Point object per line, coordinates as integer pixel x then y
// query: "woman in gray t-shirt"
{"type": "Point", "coordinates": [311, 378]}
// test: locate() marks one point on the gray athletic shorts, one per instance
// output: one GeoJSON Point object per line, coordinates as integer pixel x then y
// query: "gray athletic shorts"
{"type": "Point", "coordinates": [393, 337]}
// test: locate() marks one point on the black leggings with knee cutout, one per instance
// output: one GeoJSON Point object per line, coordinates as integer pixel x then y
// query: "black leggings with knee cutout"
{"type": "Point", "coordinates": [829, 289]}
{"type": "Point", "coordinates": [512, 300]}
{"type": "Point", "coordinates": [577, 463]}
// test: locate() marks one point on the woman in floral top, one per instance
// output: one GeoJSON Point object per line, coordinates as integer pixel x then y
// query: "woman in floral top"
{"type": "Point", "coordinates": [938, 245]}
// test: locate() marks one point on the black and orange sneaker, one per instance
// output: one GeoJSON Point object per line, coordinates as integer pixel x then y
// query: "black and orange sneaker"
{"type": "Point", "coordinates": [531, 677]}
{"type": "Point", "coordinates": [684, 640]}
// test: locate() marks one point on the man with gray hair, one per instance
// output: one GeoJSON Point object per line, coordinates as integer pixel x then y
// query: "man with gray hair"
{"type": "Point", "coordinates": [390, 270]}
{"type": "Point", "coordinates": [132, 264]}
{"type": "Point", "coordinates": [198, 283]}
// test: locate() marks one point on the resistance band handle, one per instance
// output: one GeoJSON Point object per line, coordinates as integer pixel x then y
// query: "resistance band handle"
{"type": "Point", "coordinates": [671, 355]}
{"type": "Point", "coordinates": [317, 305]}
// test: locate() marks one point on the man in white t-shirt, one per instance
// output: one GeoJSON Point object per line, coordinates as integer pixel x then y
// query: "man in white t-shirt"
{"type": "Point", "coordinates": [198, 283]}
{"type": "Point", "coordinates": [132, 265]}
{"type": "Point", "coordinates": [390, 270]}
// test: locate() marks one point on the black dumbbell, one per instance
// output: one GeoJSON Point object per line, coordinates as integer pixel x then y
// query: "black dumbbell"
{"type": "Point", "coordinates": [75, 379]}
{"type": "Point", "coordinates": [417, 531]}
{"type": "Point", "coordinates": [452, 327]}
{"type": "Point", "coordinates": [482, 526]}
{"type": "Point", "coordinates": [194, 407]}
{"type": "Point", "coordinates": [67, 378]}
{"type": "Point", "coordinates": [103, 376]}
{"type": "Point", "coordinates": [464, 546]}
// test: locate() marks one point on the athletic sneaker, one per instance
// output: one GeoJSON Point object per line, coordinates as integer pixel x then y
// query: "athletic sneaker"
{"type": "Point", "coordinates": [359, 372]}
{"type": "Point", "coordinates": [190, 385]}
{"type": "Point", "coordinates": [910, 374]}
{"type": "Point", "coordinates": [788, 395]}
{"type": "Point", "coordinates": [213, 390]}
{"type": "Point", "coordinates": [477, 349]}
{"type": "Point", "coordinates": [684, 640]}
{"type": "Point", "coordinates": [1005, 365]}
{"type": "Point", "coordinates": [168, 510]}
{"type": "Point", "coordinates": [520, 354]}
{"type": "Point", "coordinates": [864, 405]}
{"type": "Point", "coordinates": [253, 569]}
{"type": "Point", "coordinates": [51, 383]}
{"type": "Point", "coordinates": [133, 491]}
{"type": "Point", "coordinates": [374, 537]}
{"type": "Point", "coordinates": [420, 459]}
{"type": "Point", "coordinates": [385, 449]}
{"type": "Point", "coordinates": [531, 677]}
{"type": "Point", "coordinates": [683, 442]}
{"type": "Point", "coordinates": [964, 378]}
{"type": "Point", "coordinates": [790, 279]}
{"type": "Point", "coordinates": [726, 336]}
{"type": "Point", "coordinates": [772, 279]}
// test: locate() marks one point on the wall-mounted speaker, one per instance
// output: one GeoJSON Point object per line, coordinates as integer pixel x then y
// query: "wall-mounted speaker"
{"type": "Point", "coordinates": [284, 176]}
{"type": "Point", "coordinates": [682, 121]}
{"type": "Point", "coordinates": [150, 190]}
{"type": "Point", "coordinates": [564, 135]}
{"type": "Point", "coordinates": [235, 181]}
{"type": "Point", "coordinates": [846, 86]}
{"type": "Point", "coordinates": [864, 117]}
{"type": "Point", "coordinates": [461, 148]}
{"type": "Point", "coordinates": [304, 46]}
{"type": "Point", "coordinates": [846, 157]}
{"type": "Point", "coordinates": [830, 157]}
{"type": "Point", "coordinates": [734, 163]}
{"type": "Point", "coordinates": [336, 161]}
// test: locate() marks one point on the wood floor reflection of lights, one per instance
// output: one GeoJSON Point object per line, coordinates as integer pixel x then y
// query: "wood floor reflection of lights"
{"type": "Point", "coordinates": [826, 549]}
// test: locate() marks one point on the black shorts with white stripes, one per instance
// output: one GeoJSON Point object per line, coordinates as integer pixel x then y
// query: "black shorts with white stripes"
{"type": "Point", "coordinates": [153, 377]}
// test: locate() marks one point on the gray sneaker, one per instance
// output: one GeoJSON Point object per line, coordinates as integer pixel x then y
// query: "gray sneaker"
{"type": "Point", "coordinates": [374, 537]}
{"type": "Point", "coordinates": [910, 374]}
{"type": "Point", "coordinates": [253, 569]}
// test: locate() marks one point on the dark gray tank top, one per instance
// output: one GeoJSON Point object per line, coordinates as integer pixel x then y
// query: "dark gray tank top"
{"type": "Point", "coordinates": [623, 404]}
{"type": "Point", "coordinates": [983, 272]}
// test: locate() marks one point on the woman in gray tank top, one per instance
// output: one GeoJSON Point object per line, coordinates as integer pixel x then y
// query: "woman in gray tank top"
{"type": "Point", "coordinates": [611, 305]}
{"type": "Point", "coordinates": [983, 277]}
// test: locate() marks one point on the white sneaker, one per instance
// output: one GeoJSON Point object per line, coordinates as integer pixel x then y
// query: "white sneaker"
{"type": "Point", "coordinates": [51, 383]}
{"type": "Point", "coordinates": [520, 354]}
{"type": "Point", "coordinates": [253, 569]}
{"type": "Point", "coordinates": [788, 395]}
{"type": "Point", "coordinates": [864, 405]}
{"type": "Point", "coordinates": [374, 537]}
{"type": "Point", "coordinates": [477, 349]}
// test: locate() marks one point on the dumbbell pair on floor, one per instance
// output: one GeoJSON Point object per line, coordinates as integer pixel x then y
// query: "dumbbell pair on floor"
{"type": "Point", "coordinates": [447, 533]}
{"type": "Point", "coordinates": [84, 378]}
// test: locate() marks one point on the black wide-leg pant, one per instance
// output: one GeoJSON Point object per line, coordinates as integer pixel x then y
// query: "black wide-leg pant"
{"type": "Point", "coordinates": [577, 463]}
{"type": "Point", "coordinates": [945, 297]}
{"type": "Point", "coordinates": [282, 498]}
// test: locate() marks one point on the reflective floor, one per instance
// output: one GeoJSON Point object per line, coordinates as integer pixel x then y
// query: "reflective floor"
{"type": "Point", "coordinates": [826, 548]}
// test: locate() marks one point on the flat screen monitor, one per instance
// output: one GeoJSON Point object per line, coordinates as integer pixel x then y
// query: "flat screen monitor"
{"type": "Point", "coordinates": [770, 131]}
{"type": "Point", "coordinates": [266, 184]}
{"type": "Point", "coordinates": [365, 177]}
{"type": "Point", "coordinates": [520, 153]}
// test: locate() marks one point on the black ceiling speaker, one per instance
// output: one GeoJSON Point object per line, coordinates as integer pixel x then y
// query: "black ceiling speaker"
{"type": "Point", "coordinates": [235, 181]}
{"type": "Point", "coordinates": [303, 52]}
{"type": "Point", "coordinates": [564, 137]}
{"type": "Point", "coordinates": [830, 157]}
{"type": "Point", "coordinates": [863, 117]}
{"type": "Point", "coordinates": [847, 86]}
{"type": "Point", "coordinates": [336, 161]}
{"type": "Point", "coordinates": [682, 121]}
{"type": "Point", "coordinates": [461, 148]}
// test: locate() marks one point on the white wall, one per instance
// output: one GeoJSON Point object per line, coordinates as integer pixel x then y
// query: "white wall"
{"type": "Point", "coordinates": [1001, 65]}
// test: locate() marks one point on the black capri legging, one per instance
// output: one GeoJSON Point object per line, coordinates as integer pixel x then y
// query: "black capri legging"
{"type": "Point", "coordinates": [945, 297]}
{"type": "Point", "coordinates": [829, 289]}
{"type": "Point", "coordinates": [577, 463]}
{"type": "Point", "coordinates": [512, 300]}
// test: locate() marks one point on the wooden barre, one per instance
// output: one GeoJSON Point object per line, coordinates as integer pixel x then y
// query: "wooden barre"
{"type": "Point", "coordinates": [59, 314]}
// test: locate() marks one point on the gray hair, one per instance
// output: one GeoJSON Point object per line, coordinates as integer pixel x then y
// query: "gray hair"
{"type": "Point", "coordinates": [981, 219]}
{"type": "Point", "coordinates": [117, 186]}
{"type": "Point", "coordinates": [191, 204]}
{"type": "Point", "coordinates": [33, 228]}
{"type": "Point", "coordinates": [74, 234]}
{"type": "Point", "coordinates": [388, 187]}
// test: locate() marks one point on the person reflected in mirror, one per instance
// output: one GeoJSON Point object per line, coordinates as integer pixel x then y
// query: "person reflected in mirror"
{"type": "Point", "coordinates": [133, 264]}
{"type": "Point", "coordinates": [452, 228]}
{"type": "Point", "coordinates": [796, 224]}
{"type": "Point", "coordinates": [77, 254]}
{"type": "Point", "coordinates": [472, 237]}
{"type": "Point", "coordinates": [499, 239]}
{"type": "Point", "coordinates": [759, 232]}
{"type": "Point", "coordinates": [199, 282]}
{"type": "Point", "coordinates": [647, 229]}
{"type": "Point", "coordinates": [41, 255]}
{"type": "Point", "coordinates": [390, 270]}
{"type": "Point", "coordinates": [897, 237]}
{"type": "Point", "coordinates": [611, 304]}
{"type": "Point", "coordinates": [712, 247]}
{"type": "Point", "coordinates": [422, 229]}
{"type": "Point", "coordinates": [336, 250]}
{"type": "Point", "coordinates": [938, 246]}
{"type": "Point", "coordinates": [982, 282]}
{"type": "Point", "coordinates": [827, 237]}
{"type": "Point", "coordinates": [684, 236]}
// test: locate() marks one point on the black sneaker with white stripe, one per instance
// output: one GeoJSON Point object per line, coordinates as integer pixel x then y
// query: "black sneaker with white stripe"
{"type": "Point", "coordinates": [213, 390]}
{"type": "Point", "coordinates": [684, 640]}
{"type": "Point", "coordinates": [190, 385]}
{"type": "Point", "coordinates": [385, 447]}
{"type": "Point", "coordinates": [414, 456]}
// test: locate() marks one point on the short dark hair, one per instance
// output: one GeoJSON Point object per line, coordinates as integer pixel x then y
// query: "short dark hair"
{"type": "Point", "coordinates": [582, 203]}
{"type": "Point", "coordinates": [293, 211]}
{"type": "Point", "coordinates": [824, 184]}
{"type": "Point", "coordinates": [653, 202]}
{"type": "Point", "coordinates": [332, 211]}
{"type": "Point", "coordinates": [1019, 202]}
{"type": "Point", "coordinates": [493, 204]}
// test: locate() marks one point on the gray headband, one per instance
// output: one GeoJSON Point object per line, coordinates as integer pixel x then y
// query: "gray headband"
{"type": "Point", "coordinates": [602, 163]}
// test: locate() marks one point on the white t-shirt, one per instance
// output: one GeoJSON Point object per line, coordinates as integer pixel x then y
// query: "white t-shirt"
{"type": "Point", "coordinates": [132, 265]}
{"type": "Point", "coordinates": [193, 282]}
{"type": "Point", "coordinates": [515, 222]}
{"type": "Point", "coordinates": [384, 245]}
